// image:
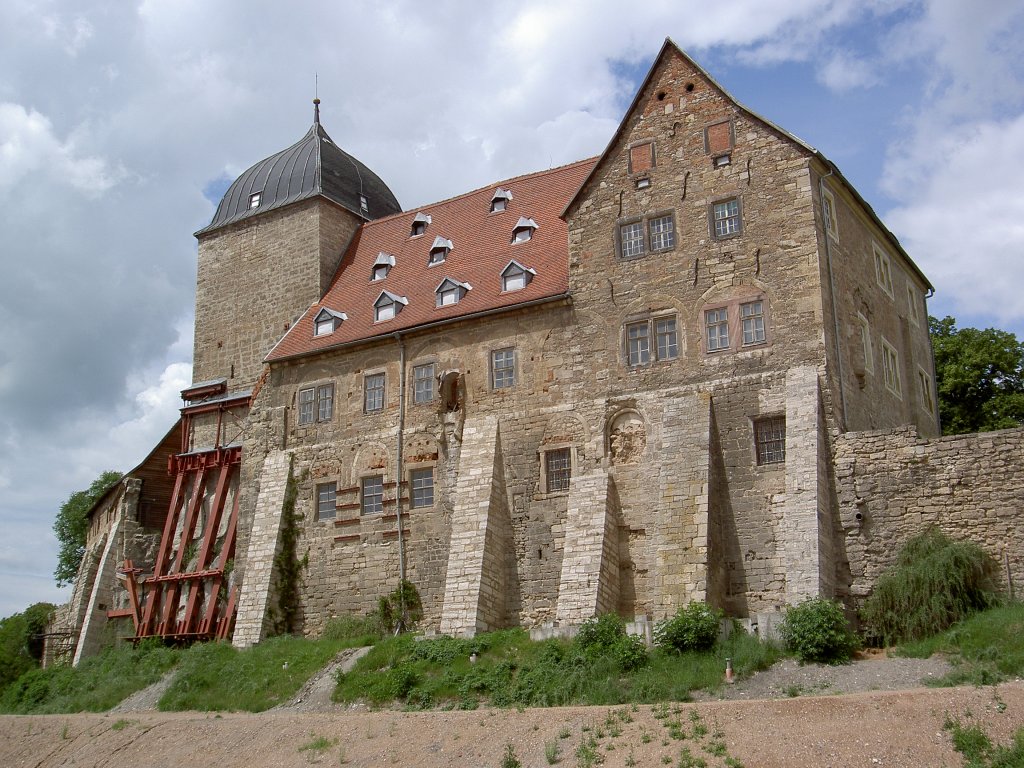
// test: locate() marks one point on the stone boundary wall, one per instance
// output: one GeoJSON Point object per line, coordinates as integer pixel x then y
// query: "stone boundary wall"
{"type": "Point", "coordinates": [893, 484]}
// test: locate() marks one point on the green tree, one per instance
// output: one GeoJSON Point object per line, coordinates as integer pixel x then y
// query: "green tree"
{"type": "Point", "coordinates": [21, 646]}
{"type": "Point", "coordinates": [979, 377]}
{"type": "Point", "coordinates": [72, 524]}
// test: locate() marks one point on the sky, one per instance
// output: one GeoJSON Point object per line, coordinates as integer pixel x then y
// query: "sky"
{"type": "Point", "coordinates": [121, 124]}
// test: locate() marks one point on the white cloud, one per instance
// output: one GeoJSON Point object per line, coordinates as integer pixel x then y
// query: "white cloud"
{"type": "Point", "coordinates": [846, 71]}
{"type": "Point", "coordinates": [964, 219]}
{"type": "Point", "coordinates": [29, 148]}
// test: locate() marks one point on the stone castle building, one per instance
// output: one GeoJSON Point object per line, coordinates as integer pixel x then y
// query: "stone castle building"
{"type": "Point", "coordinates": [623, 384]}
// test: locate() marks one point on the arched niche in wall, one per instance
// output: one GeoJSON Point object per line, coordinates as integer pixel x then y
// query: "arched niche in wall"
{"type": "Point", "coordinates": [627, 437]}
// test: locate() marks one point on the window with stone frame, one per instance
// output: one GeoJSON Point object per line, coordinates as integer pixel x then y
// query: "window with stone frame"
{"type": "Point", "coordinates": [631, 239]}
{"type": "Point", "coordinates": [913, 304]}
{"type": "Point", "coordinates": [891, 368]}
{"type": "Point", "coordinates": [924, 381]}
{"type": "Point", "coordinates": [828, 208]}
{"type": "Point", "coordinates": [638, 336]}
{"type": "Point", "coordinates": [557, 470]}
{"type": "Point", "coordinates": [883, 270]}
{"type": "Point", "coordinates": [421, 483]}
{"type": "Point", "coordinates": [770, 439]}
{"type": "Point", "coordinates": [651, 234]}
{"type": "Point", "coordinates": [424, 383]}
{"type": "Point", "coordinates": [716, 326]}
{"type": "Point", "coordinates": [373, 392]}
{"type": "Point", "coordinates": [726, 218]}
{"type": "Point", "coordinates": [752, 322]}
{"type": "Point", "coordinates": [867, 348]}
{"type": "Point", "coordinates": [316, 404]}
{"type": "Point", "coordinates": [326, 501]}
{"type": "Point", "coordinates": [372, 495]}
{"type": "Point", "coordinates": [503, 368]}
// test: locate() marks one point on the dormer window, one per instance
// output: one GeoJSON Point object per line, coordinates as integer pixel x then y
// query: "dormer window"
{"type": "Point", "coordinates": [254, 200]}
{"type": "Point", "coordinates": [383, 265]}
{"type": "Point", "coordinates": [499, 201]}
{"type": "Point", "coordinates": [363, 205]}
{"type": "Point", "coordinates": [387, 306]}
{"type": "Point", "coordinates": [523, 230]}
{"type": "Point", "coordinates": [327, 321]}
{"type": "Point", "coordinates": [451, 292]}
{"type": "Point", "coordinates": [419, 224]}
{"type": "Point", "coordinates": [515, 277]}
{"type": "Point", "coordinates": [439, 251]}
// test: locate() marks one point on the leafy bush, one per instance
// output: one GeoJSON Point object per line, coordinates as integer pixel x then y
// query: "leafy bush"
{"type": "Point", "coordinates": [401, 610]}
{"type": "Point", "coordinates": [817, 630]}
{"type": "Point", "coordinates": [693, 628]}
{"type": "Point", "coordinates": [935, 583]}
{"type": "Point", "coordinates": [606, 636]}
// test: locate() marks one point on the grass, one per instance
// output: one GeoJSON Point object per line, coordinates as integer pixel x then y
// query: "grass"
{"type": "Point", "coordinates": [512, 671]}
{"type": "Point", "coordinates": [95, 685]}
{"type": "Point", "coordinates": [985, 649]}
{"type": "Point", "coordinates": [979, 751]}
{"type": "Point", "coordinates": [219, 677]}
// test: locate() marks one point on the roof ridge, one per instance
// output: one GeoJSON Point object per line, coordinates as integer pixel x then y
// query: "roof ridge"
{"type": "Point", "coordinates": [520, 177]}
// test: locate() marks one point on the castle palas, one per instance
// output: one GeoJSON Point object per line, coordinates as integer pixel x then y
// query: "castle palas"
{"type": "Point", "coordinates": [696, 367]}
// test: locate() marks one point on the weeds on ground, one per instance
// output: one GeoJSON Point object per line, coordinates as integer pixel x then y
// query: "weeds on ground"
{"type": "Point", "coordinates": [979, 751]}
{"type": "Point", "coordinates": [319, 745]}
{"type": "Point", "coordinates": [984, 649]}
{"type": "Point", "coordinates": [95, 685]}
{"type": "Point", "coordinates": [510, 759]}
{"type": "Point", "coordinates": [552, 751]}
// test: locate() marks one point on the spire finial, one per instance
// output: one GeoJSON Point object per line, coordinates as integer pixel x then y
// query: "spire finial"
{"type": "Point", "coordinates": [316, 98]}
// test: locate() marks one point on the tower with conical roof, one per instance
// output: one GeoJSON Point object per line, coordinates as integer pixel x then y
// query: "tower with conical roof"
{"type": "Point", "coordinates": [272, 248]}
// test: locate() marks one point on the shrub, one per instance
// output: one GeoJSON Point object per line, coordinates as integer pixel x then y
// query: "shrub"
{"type": "Point", "coordinates": [935, 583]}
{"type": "Point", "coordinates": [693, 628]}
{"type": "Point", "coordinates": [401, 610]}
{"type": "Point", "coordinates": [605, 636]}
{"type": "Point", "coordinates": [817, 630]}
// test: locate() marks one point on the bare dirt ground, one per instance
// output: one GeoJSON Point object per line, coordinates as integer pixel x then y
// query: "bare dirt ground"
{"type": "Point", "coordinates": [862, 714]}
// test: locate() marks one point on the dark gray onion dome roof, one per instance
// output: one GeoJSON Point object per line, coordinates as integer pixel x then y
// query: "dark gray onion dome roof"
{"type": "Point", "coordinates": [313, 166]}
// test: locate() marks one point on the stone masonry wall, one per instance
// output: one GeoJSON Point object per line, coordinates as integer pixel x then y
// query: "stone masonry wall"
{"type": "Point", "coordinates": [255, 278]}
{"type": "Point", "coordinates": [892, 485]}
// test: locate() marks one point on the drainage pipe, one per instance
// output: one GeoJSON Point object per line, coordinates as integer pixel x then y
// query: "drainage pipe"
{"type": "Point", "coordinates": [399, 474]}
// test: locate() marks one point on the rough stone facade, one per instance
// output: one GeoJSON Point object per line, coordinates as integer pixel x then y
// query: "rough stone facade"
{"type": "Point", "coordinates": [892, 484]}
{"type": "Point", "coordinates": [675, 421]}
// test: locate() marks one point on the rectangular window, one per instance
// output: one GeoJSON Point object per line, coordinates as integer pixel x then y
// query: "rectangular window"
{"type": "Point", "coordinates": [891, 368]}
{"type": "Point", "coordinates": [924, 379]}
{"type": "Point", "coordinates": [557, 470]}
{"type": "Point", "coordinates": [752, 320]}
{"type": "Point", "coordinates": [373, 391]}
{"type": "Point", "coordinates": [663, 235]}
{"type": "Point", "coordinates": [828, 206]}
{"type": "Point", "coordinates": [307, 399]}
{"type": "Point", "coordinates": [883, 270]}
{"type": "Point", "coordinates": [373, 495]}
{"type": "Point", "coordinates": [668, 341]}
{"type": "Point", "coordinates": [326, 501]}
{"type": "Point", "coordinates": [717, 323]}
{"type": "Point", "coordinates": [638, 344]}
{"type": "Point", "coordinates": [423, 383]}
{"type": "Point", "coordinates": [503, 368]}
{"type": "Point", "coordinates": [316, 404]}
{"type": "Point", "coordinates": [726, 216]}
{"type": "Point", "coordinates": [631, 238]}
{"type": "Point", "coordinates": [422, 488]}
{"type": "Point", "coordinates": [913, 305]}
{"type": "Point", "coordinates": [770, 438]}
{"type": "Point", "coordinates": [867, 349]}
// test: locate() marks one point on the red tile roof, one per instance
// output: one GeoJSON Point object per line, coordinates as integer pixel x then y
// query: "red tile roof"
{"type": "Point", "coordinates": [481, 249]}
